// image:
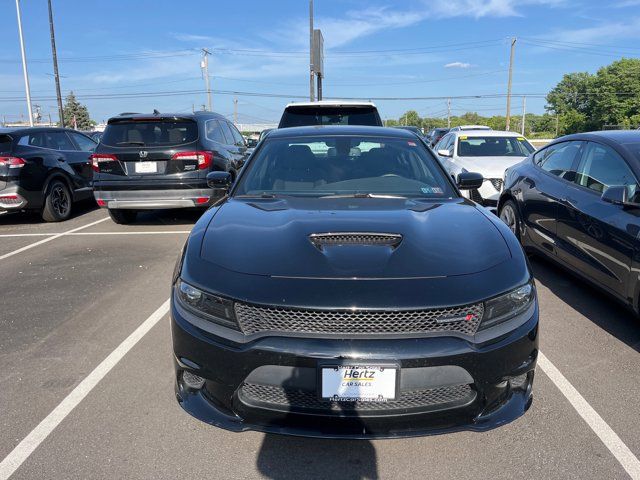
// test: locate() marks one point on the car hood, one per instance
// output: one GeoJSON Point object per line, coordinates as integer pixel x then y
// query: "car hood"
{"type": "Point", "coordinates": [489, 167]}
{"type": "Point", "coordinates": [271, 237]}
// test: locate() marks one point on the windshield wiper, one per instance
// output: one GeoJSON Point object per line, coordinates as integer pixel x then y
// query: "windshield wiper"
{"type": "Point", "coordinates": [362, 195]}
{"type": "Point", "coordinates": [141, 144]}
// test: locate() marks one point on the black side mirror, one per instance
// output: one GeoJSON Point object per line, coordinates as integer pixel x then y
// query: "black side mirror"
{"type": "Point", "coordinates": [469, 180]}
{"type": "Point", "coordinates": [616, 194]}
{"type": "Point", "coordinates": [219, 180]}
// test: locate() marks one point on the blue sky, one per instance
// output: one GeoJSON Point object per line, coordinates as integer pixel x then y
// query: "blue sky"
{"type": "Point", "coordinates": [373, 48]}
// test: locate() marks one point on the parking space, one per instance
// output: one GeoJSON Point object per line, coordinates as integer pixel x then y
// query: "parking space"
{"type": "Point", "coordinates": [71, 302]}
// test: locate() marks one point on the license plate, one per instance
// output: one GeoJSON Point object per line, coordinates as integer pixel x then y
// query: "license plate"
{"type": "Point", "coordinates": [146, 167]}
{"type": "Point", "coordinates": [365, 383]}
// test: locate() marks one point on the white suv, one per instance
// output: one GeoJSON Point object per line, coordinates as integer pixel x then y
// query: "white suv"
{"type": "Point", "coordinates": [489, 152]}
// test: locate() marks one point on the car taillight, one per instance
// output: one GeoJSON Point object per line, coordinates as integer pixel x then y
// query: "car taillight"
{"type": "Point", "coordinates": [204, 158]}
{"type": "Point", "coordinates": [12, 162]}
{"type": "Point", "coordinates": [98, 158]}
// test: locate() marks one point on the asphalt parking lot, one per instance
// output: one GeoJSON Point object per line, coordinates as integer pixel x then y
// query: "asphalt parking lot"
{"type": "Point", "coordinates": [85, 346]}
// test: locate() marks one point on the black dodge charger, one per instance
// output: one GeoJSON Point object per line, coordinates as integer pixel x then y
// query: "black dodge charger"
{"type": "Point", "coordinates": [342, 287]}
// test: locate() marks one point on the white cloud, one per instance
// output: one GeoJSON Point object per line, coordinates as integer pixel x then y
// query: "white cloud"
{"type": "Point", "coordinates": [603, 33]}
{"type": "Point", "coordinates": [484, 8]}
{"type": "Point", "coordinates": [457, 65]}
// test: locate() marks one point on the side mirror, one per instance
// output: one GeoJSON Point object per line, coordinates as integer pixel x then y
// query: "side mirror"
{"type": "Point", "coordinates": [616, 195]}
{"type": "Point", "coordinates": [445, 153]}
{"type": "Point", "coordinates": [219, 180]}
{"type": "Point", "coordinates": [469, 180]}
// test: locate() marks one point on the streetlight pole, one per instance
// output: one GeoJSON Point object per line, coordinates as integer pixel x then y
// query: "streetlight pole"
{"type": "Point", "coordinates": [311, 74]}
{"type": "Point", "coordinates": [24, 65]}
{"type": "Point", "coordinates": [205, 67]}
{"type": "Point", "coordinates": [55, 65]}
{"type": "Point", "coordinates": [508, 116]}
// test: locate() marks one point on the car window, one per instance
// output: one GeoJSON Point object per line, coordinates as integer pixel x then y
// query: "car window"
{"type": "Point", "coordinates": [492, 146]}
{"type": "Point", "coordinates": [85, 143]}
{"type": "Point", "coordinates": [602, 167]}
{"type": "Point", "coordinates": [59, 141]}
{"type": "Point", "coordinates": [33, 140]}
{"type": "Point", "coordinates": [558, 159]}
{"type": "Point", "coordinates": [227, 133]}
{"type": "Point", "coordinates": [150, 133]}
{"type": "Point", "coordinates": [298, 116]}
{"type": "Point", "coordinates": [330, 165]}
{"type": "Point", "coordinates": [5, 143]}
{"type": "Point", "coordinates": [237, 136]}
{"type": "Point", "coordinates": [214, 131]}
{"type": "Point", "coordinates": [442, 144]}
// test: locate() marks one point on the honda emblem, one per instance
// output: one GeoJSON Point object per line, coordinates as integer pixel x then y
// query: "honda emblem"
{"type": "Point", "coordinates": [143, 154]}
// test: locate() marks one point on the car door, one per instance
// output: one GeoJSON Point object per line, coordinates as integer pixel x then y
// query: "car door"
{"type": "Point", "coordinates": [553, 170]}
{"type": "Point", "coordinates": [599, 238]}
{"type": "Point", "coordinates": [68, 158]}
{"type": "Point", "coordinates": [235, 145]}
{"type": "Point", "coordinates": [79, 159]}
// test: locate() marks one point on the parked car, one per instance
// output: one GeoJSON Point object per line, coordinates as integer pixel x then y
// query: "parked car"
{"type": "Point", "coordinates": [44, 169]}
{"type": "Point", "coordinates": [461, 128]}
{"type": "Point", "coordinates": [330, 112]}
{"type": "Point", "coordinates": [577, 202]}
{"type": "Point", "coordinates": [264, 133]}
{"type": "Point", "coordinates": [434, 136]}
{"type": "Point", "coordinates": [95, 135]}
{"type": "Point", "coordinates": [152, 161]}
{"type": "Point", "coordinates": [411, 128]}
{"type": "Point", "coordinates": [329, 295]}
{"type": "Point", "coordinates": [487, 152]}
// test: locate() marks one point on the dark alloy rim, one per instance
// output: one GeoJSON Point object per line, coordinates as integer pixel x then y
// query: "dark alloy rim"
{"type": "Point", "coordinates": [60, 200]}
{"type": "Point", "coordinates": [508, 216]}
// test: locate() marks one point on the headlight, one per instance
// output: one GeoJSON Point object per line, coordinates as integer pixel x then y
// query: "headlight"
{"type": "Point", "coordinates": [211, 307]}
{"type": "Point", "coordinates": [507, 306]}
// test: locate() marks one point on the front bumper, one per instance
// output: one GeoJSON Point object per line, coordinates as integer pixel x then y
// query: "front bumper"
{"type": "Point", "coordinates": [154, 199]}
{"type": "Point", "coordinates": [269, 384]}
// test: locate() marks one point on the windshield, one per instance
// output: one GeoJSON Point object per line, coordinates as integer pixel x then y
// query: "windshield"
{"type": "Point", "coordinates": [493, 146]}
{"type": "Point", "coordinates": [303, 116]}
{"type": "Point", "coordinates": [344, 165]}
{"type": "Point", "coordinates": [150, 133]}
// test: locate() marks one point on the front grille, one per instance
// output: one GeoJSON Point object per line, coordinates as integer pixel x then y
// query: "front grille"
{"type": "Point", "coordinates": [308, 400]}
{"type": "Point", "coordinates": [497, 183]}
{"type": "Point", "coordinates": [259, 319]}
{"type": "Point", "coordinates": [320, 240]}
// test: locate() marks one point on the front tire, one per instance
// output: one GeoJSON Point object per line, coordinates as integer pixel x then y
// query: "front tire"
{"type": "Point", "coordinates": [121, 216]}
{"type": "Point", "coordinates": [57, 202]}
{"type": "Point", "coordinates": [510, 216]}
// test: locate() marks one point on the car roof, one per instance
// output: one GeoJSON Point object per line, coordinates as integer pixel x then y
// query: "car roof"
{"type": "Point", "coordinates": [615, 136]}
{"type": "Point", "coordinates": [486, 133]}
{"type": "Point", "coordinates": [332, 103]}
{"type": "Point", "coordinates": [23, 130]}
{"type": "Point", "coordinates": [318, 130]}
{"type": "Point", "coordinates": [193, 116]}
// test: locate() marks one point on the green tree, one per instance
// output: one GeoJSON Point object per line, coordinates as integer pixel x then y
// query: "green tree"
{"type": "Point", "coordinates": [73, 108]}
{"type": "Point", "coordinates": [411, 118]}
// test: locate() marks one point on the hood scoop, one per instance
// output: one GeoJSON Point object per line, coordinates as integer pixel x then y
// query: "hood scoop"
{"type": "Point", "coordinates": [321, 240]}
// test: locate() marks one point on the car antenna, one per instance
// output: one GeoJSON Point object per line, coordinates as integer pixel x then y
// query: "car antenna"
{"type": "Point", "coordinates": [156, 112]}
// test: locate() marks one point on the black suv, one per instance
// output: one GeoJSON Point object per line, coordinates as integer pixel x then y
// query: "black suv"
{"type": "Point", "coordinates": [45, 169]}
{"type": "Point", "coordinates": [153, 161]}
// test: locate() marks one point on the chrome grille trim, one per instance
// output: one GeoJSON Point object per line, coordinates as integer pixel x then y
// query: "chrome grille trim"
{"type": "Point", "coordinates": [254, 319]}
{"type": "Point", "coordinates": [320, 240]}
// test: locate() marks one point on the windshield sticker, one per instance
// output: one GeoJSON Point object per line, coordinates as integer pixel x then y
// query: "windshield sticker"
{"type": "Point", "coordinates": [412, 144]}
{"type": "Point", "coordinates": [431, 190]}
{"type": "Point", "coordinates": [521, 139]}
{"type": "Point", "coordinates": [463, 137]}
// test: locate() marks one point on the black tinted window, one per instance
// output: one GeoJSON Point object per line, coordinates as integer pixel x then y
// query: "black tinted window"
{"type": "Point", "coordinates": [85, 143]}
{"type": "Point", "coordinates": [150, 133]}
{"type": "Point", "coordinates": [301, 116]}
{"type": "Point", "coordinates": [5, 144]}
{"type": "Point", "coordinates": [227, 133]}
{"type": "Point", "coordinates": [214, 131]}
{"type": "Point", "coordinates": [237, 136]}
{"type": "Point", "coordinates": [601, 167]}
{"type": "Point", "coordinates": [492, 146]}
{"type": "Point", "coordinates": [558, 159]}
{"type": "Point", "coordinates": [34, 140]}
{"type": "Point", "coordinates": [59, 141]}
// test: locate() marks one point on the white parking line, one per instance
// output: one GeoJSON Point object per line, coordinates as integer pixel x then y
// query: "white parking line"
{"type": "Point", "coordinates": [611, 440]}
{"type": "Point", "coordinates": [27, 446]}
{"type": "Point", "coordinates": [45, 240]}
{"type": "Point", "coordinates": [157, 232]}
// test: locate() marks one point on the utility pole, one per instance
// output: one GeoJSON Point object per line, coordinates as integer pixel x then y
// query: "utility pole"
{"type": "Point", "coordinates": [513, 48]}
{"type": "Point", "coordinates": [524, 112]}
{"type": "Point", "coordinates": [448, 113]}
{"type": "Point", "coordinates": [235, 111]}
{"type": "Point", "coordinates": [311, 75]}
{"type": "Point", "coordinates": [557, 124]}
{"type": "Point", "coordinates": [24, 64]}
{"type": "Point", "coordinates": [55, 65]}
{"type": "Point", "coordinates": [205, 68]}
